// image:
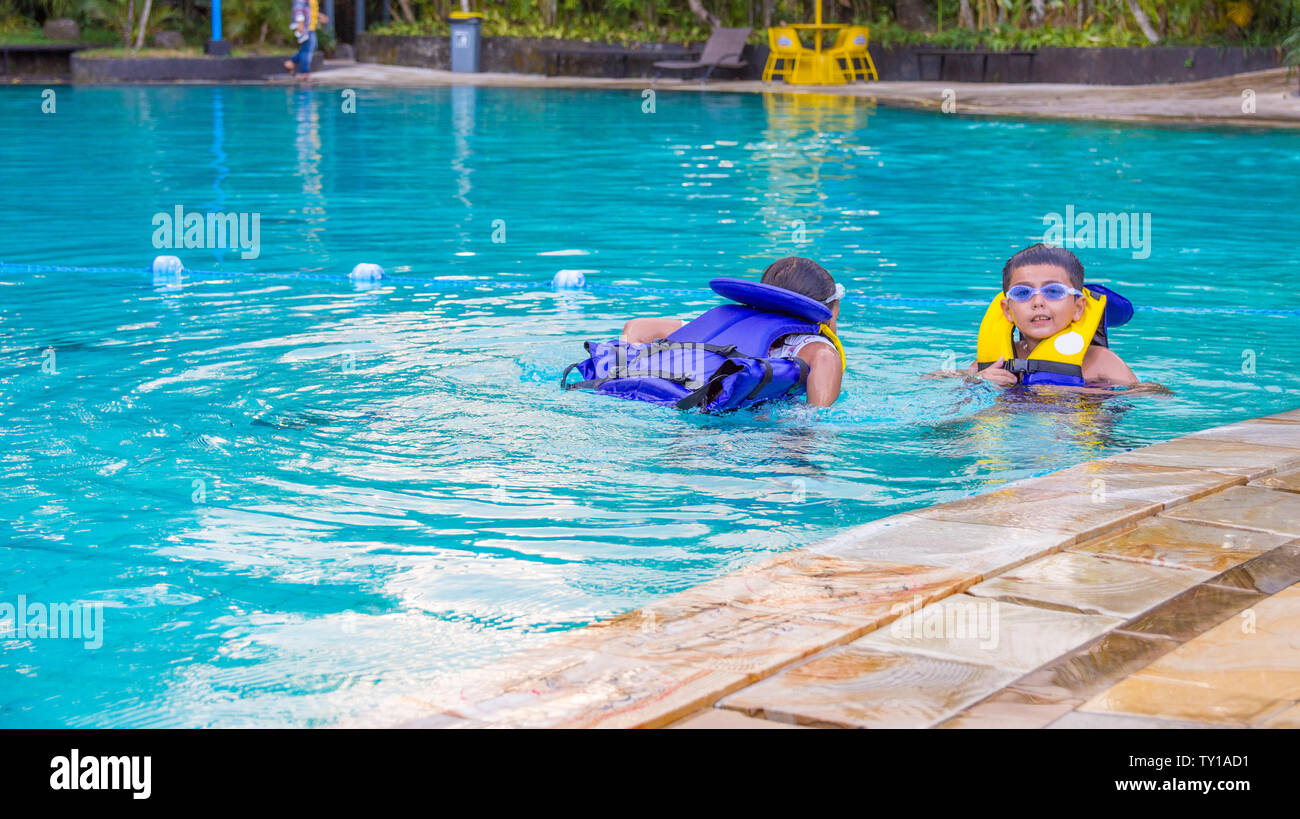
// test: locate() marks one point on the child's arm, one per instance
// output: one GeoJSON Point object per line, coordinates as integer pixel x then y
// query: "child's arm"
{"type": "Point", "coordinates": [825, 372]}
{"type": "Point", "coordinates": [994, 373]}
{"type": "Point", "coordinates": [644, 330]}
{"type": "Point", "coordinates": [1101, 364]}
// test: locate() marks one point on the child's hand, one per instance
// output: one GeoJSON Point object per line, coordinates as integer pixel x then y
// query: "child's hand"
{"type": "Point", "coordinates": [996, 374]}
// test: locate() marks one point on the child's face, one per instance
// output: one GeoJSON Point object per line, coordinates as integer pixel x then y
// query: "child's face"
{"type": "Point", "coordinates": [1039, 318]}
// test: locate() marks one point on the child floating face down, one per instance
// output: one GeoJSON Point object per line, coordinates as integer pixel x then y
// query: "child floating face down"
{"type": "Point", "coordinates": [802, 276]}
{"type": "Point", "coordinates": [1045, 301]}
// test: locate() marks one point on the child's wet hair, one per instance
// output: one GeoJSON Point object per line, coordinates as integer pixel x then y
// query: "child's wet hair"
{"type": "Point", "coordinates": [1045, 254]}
{"type": "Point", "coordinates": [803, 276]}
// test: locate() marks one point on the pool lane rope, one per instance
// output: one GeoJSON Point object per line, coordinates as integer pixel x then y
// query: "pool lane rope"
{"type": "Point", "coordinates": [169, 273]}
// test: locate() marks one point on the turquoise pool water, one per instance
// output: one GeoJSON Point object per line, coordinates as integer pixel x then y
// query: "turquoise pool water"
{"type": "Point", "coordinates": [292, 496]}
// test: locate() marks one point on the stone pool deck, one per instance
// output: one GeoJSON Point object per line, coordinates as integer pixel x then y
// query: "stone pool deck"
{"type": "Point", "coordinates": [1153, 588]}
{"type": "Point", "coordinates": [1211, 102]}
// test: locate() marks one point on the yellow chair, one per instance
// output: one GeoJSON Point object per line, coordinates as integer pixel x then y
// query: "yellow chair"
{"type": "Point", "coordinates": [851, 47]}
{"type": "Point", "coordinates": [785, 48]}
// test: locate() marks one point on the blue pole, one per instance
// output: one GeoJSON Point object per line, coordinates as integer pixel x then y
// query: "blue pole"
{"type": "Point", "coordinates": [215, 47]}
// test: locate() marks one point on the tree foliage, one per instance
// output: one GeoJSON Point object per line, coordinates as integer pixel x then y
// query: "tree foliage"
{"type": "Point", "coordinates": [1015, 23]}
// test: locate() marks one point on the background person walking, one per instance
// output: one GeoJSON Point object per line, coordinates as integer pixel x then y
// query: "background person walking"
{"type": "Point", "coordinates": [305, 17]}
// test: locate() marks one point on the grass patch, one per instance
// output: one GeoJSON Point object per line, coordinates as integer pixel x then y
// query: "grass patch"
{"type": "Point", "coordinates": [34, 36]}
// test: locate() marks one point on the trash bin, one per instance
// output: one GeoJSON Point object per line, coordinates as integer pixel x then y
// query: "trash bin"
{"type": "Point", "coordinates": [465, 26]}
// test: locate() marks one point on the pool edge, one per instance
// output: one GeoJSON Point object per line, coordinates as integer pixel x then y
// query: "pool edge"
{"type": "Point", "coordinates": [731, 642]}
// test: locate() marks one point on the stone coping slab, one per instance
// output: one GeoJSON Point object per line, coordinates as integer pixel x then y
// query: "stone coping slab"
{"type": "Point", "coordinates": [1013, 708]}
{"type": "Point", "coordinates": [572, 688]}
{"type": "Point", "coordinates": [727, 719]}
{"type": "Point", "coordinates": [1145, 695]}
{"type": "Point", "coordinates": [1250, 460]}
{"type": "Point", "coordinates": [1166, 541]}
{"type": "Point", "coordinates": [1248, 507]}
{"type": "Point", "coordinates": [1288, 481]}
{"type": "Point", "coordinates": [757, 620]}
{"type": "Point", "coordinates": [978, 548]}
{"type": "Point", "coordinates": [1268, 432]}
{"type": "Point", "coordinates": [1102, 481]}
{"type": "Point", "coordinates": [1084, 719]}
{"type": "Point", "coordinates": [1046, 508]}
{"type": "Point", "coordinates": [1199, 624]}
{"type": "Point", "coordinates": [1215, 101]}
{"type": "Point", "coordinates": [1257, 653]}
{"type": "Point", "coordinates": [856, 687]}
{"type": "Point", "coordinates": [1096, 571]}
{"type": "Point", "coordinates": [1289, 718]}
{"type": "Point", "coordinates": [1090, 585]}
{"type": "Point", "coordinates": [989, 632]}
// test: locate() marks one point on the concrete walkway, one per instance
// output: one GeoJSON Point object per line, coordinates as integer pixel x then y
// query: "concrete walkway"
{"type": "Point", "coordinates": [1153, 588]}
{"type": "Point", "coordinates": [1276, 99]}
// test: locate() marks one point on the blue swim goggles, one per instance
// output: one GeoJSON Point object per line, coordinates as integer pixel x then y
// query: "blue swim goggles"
{"type": "Point", "coordinates": [1052, 292]}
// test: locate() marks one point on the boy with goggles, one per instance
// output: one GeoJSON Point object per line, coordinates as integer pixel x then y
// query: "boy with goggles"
{"type": "Point", "coordinates": [1045, 301]}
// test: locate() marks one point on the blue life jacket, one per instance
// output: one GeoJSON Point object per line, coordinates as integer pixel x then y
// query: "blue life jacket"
{"type": "Point", "coordinates": [717, 362]}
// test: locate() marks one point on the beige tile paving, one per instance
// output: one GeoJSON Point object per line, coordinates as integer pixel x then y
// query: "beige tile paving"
{"type": "Point", "coordinates": [1288, 481]}
{"type": "Point", "coordinates": [1091, 585]}
{"type": "Point", "coordinates": [1246, 507]}
{"type": "Point", "coordinates": [569, 688]}
{"type": "Point", "coordinates": [727, 719]}
{"type": "Point", "coordinates": [408, 712]}
{"type": "Point", "coordinates": [1093, 721]}
{"type": "Point", "coordinates": [860, 592]}
{"type": "Point", "coordinates": [1256, 651]}
{"type": "Point", "coordinates": [1182, 544]}
{"type": "Point", "coordinates": [1045, 509]}
{"type": "Point", "coordinates": [1012, 708]}
{"type": "Point", "coordinates": [856, 687]}
{"type": "Point", "coordinates": [1292, 416]}
{"type": "Point", "coordinates": [989, 632]}
{"type": "Point", "coordinates": [441, 721]}
{"type": "Point", "coordinates": [1232, 457]}
{"type": "Point", "coordinates": [1150, 696]}
{"type": "Point", "coordinates": [1290, 718]}
{"type": "Point", "coordinates": [1244, 671]}
{"type": "Point", "coordinates": [714, 636]}
{"type": "Point", "coordinates": [1093, 668]}
{"type": "Point", "coordinates": [1264, 433]}
{"type": "Point", "coordinates": [1227, 676]}
{"type": "Point", "coordinates": [1193, 612]}
{"type": "Point", "coordinates": [1267, 574]}
{"type": "Point", "coordinates": [1099, 481]}
{"type": "Point", "coordinates": [1228, 659]}
{"type": "Point", "coordinates": [1277, 617]}
{"type": "Point", "coordinates": [973, 547]}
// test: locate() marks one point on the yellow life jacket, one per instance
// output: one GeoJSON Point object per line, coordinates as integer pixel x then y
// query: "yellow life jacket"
{"type": "Point", "coordinates": [1057, 360]}
{"type": "Point", "coordinates": [822, 329]}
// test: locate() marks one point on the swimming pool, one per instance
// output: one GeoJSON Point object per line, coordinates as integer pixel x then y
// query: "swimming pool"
{"type": "Point", "coordinates": [293, 496]}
